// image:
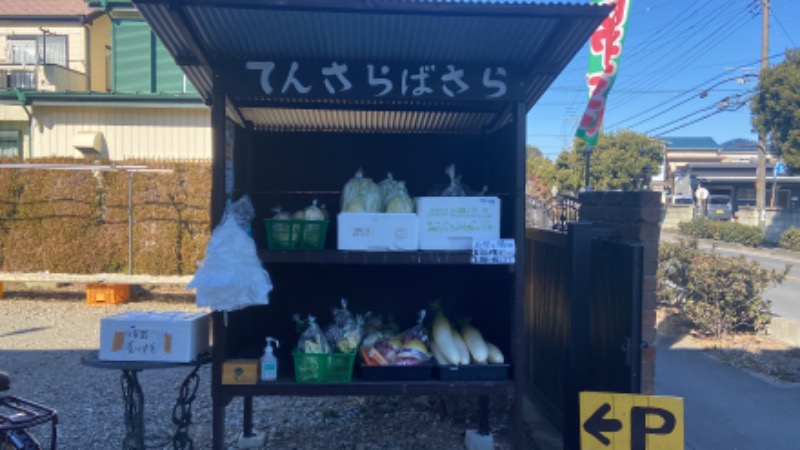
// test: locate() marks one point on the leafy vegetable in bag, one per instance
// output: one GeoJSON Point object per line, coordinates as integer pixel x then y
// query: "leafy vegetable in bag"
{"type": "Point", "coordinates": [346, 331]}
{"type": "Point", "coordinates": [312, 340]}
{"type": "Point", "coordinates": [400, 201]}
{"type": "Point", "coordinates": [388, 187]}
{"type": "Point", "coordinates": [361, 195]}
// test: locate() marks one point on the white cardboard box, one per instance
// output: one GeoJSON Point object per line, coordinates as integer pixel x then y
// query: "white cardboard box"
{"type": "Point", "coordinates": [154, 336]}
{"type": "Point", "coordinates": [377, 231]}
{"type": "Point", "coordinates": [451, 223]}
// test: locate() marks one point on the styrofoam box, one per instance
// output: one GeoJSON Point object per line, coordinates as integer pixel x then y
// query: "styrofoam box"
{"type": "Point", "coordinates": [377, 231]}
{"type": "Point", "coordinates": [154, 336]}
{"type": "Point", "coordinates": [452, 223]}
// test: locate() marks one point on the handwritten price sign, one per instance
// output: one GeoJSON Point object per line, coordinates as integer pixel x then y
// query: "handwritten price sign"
{"type": "Point", "coordinates": [493, 251]}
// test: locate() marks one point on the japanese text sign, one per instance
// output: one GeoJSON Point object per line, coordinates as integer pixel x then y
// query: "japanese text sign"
{"type": "Point", "coordinates": [341, 79]}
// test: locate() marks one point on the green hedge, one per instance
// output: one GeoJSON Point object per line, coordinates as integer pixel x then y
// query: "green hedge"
{"type": "Point", "coordinates": [704, 228]}
{"type": "Point", "coordinates": [790, 239]}
{"type": "Point", "coordinates": [77, 221]}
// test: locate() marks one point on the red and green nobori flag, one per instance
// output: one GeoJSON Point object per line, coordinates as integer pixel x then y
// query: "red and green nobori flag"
{"type": "Point", "coordinates": [605, 48]}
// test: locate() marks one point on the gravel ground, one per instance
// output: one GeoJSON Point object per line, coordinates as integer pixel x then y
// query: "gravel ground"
{"type": "Point", "coordinates": [44, 333]}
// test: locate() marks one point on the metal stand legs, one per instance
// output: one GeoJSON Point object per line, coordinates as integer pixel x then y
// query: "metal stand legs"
{"type": "Point", "coordinates": [134, 410]}
{"type": "Point", "coordinates": [182, 411]}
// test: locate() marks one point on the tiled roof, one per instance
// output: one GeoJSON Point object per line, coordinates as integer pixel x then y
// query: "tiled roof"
{"type": "Point", "coordinates": [48, 8]}
{"type": "Point", "coordinates": [690, 143]}
{"type": "Point", "coordinates": [740, 145]}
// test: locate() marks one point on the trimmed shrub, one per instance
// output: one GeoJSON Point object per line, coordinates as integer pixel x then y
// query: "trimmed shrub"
{"type": "Point", "coordinates": [718, 294]}
{"type": "Point", "coordinates": [740, 234]}
{"type": "Point", "coordinates": [705, 228]}
{"type": "Point", "coordinates": [77, 221]}
{"type": "Point", "coordinates": [701, 228]}
{"type": "Point", "coordinates": [790, 239]}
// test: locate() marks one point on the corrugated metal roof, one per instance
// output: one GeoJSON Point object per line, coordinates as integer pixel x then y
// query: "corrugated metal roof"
{"type": "Point", "coordinates": [690, 143]}
{"type": "Point", "coordinates": [537, 40]}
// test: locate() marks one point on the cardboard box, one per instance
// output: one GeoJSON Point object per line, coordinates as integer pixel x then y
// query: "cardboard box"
{"type": "Point", "coordinates": [154, 336]}
{"type": "Point", "coordinates": [451, 223]}
{"type": "Point", "coordinates": [377, 231]}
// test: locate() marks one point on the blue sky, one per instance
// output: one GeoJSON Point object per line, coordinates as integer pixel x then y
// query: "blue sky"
{"type": "Point", "coordinates": [674, 51]}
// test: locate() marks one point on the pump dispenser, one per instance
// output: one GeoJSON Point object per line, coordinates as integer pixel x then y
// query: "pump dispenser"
{"type": "Point", "coordinates": [269, 364]}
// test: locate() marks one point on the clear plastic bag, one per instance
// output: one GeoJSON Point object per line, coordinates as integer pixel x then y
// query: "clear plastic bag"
{"type": "Point", "coordinates": [346, 331]}
{"type": "Point", "coordinates": [311, 340]}
{"type": "Point", "coordinates": [242, 211]}
{"type": "Point", "coordinates": [454, 189]}
{"type": "Point", "coordinates": [415, 344]}
{"type": "Point", "coordinates": [231, 276]}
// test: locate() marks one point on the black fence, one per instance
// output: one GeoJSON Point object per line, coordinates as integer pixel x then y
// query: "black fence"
{"type": "Point", "coordinates": [583, 320]}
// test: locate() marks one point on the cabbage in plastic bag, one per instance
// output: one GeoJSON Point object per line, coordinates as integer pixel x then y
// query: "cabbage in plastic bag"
{"type": "Point", "coordinates": [361, 195]}
{"type": "Point", "coordinates": [399, 200]}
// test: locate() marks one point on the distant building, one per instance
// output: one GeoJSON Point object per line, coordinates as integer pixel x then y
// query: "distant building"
{"type": "Point", "coordinates": [89, 78]}
{"type": "Point", "coordinates": [728, 168]}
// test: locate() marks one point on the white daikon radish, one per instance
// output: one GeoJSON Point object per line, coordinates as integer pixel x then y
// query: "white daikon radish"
{"type": "Point", "coordinates": [495, 355]}
{"type": "Point", "coordinates": [437, 354]}
{"type": "Point", "coordinates": [444, 339]}
{"type": "Point", "coordinates": [475, 343]}
{"type": "Point", "coordinates": [461, 346]}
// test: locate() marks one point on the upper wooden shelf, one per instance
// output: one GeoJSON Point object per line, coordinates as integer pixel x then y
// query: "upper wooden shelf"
{"type": "Point", "coordinates": [421, 257]}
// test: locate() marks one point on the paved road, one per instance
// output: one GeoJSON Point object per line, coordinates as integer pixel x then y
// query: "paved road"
{"type": "Point", "coordinates": [726, 408]}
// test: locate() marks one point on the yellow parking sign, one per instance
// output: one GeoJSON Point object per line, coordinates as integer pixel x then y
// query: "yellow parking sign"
{"type": "Point", "coordinates": [611, 421]}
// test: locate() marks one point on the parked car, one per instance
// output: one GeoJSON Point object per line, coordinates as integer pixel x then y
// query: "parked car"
{"type": "Point", "coordinates": [719, 207]}
{"type": "Point", "coordinates": [682, 200]}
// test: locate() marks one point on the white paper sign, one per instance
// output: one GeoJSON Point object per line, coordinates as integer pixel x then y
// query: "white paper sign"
{"type": "Point", "coordinates": [143, 342]}
{"type": "Point", "coordinates": [493, 251]}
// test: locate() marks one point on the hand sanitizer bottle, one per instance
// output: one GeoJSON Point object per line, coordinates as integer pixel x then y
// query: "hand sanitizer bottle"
{"type": "Point", "coordinates": [269, 364]}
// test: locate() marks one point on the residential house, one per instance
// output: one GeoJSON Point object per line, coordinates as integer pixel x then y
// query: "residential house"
{"type": "Point", "coordinates": [89, 78]}
{"type": "Point", "coordinates": [728, 168]}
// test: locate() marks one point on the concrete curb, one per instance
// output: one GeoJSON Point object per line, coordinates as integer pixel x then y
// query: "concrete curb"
{"type": "Point", "coordinates": [786, 330]}
{"type": "Point", "coordinates": [115, 278]}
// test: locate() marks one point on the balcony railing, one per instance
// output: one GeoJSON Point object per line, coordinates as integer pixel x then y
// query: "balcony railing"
{"type": "Point", "coordinates": [47, 77]}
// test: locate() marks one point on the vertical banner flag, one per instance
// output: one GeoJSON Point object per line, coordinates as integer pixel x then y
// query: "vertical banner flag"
{"type": "Point", "coordinates": [605, 48]}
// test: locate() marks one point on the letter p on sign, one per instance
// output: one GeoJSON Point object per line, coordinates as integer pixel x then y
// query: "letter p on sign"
{"type": "Point", "coordinates": [611, 421]}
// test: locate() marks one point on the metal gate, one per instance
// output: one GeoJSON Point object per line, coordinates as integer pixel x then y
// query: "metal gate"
{"type": "Point", "coordinates": [582, 320]}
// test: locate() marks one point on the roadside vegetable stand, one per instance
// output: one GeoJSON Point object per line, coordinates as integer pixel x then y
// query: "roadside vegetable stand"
{"type": "Point", "coordinates": [304, 93]}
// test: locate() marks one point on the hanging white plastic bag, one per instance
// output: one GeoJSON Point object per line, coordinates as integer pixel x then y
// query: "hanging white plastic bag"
{"type": "Point", "coordinates": [231, 276]}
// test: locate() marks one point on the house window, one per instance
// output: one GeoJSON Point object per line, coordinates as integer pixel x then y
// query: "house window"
{"type": "Point", "coordinates": [23, 79]}
{"type": "Point", "coordinates": [10, 144]}
{"type": "Point", "coordinates": [746, 195]}
{"type": "Point", "coordinates": [44, 49]}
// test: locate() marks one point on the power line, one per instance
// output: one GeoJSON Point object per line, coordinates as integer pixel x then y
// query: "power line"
{"type": "Point", "coordinates": [688, 92]}
{"type": "Point", "coordinates": [669, 67]}
{"type": "Point", "coordinates": [732, 103]}
{"type": "Point", "coordinates": [722, 23]}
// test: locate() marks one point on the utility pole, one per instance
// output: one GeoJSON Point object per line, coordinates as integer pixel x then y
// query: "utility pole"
{"type": "Point", "coordinates": [761, 171]}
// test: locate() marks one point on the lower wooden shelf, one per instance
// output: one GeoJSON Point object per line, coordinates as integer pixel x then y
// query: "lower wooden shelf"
{"type": "Point", "coordinates": [358, 387]}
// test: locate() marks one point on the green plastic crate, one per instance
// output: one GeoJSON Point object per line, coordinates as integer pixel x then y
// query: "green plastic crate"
{"type": "Point", "coordinates": [323, 367]}
{"type": "Point", "coordinates": [296, 234]}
